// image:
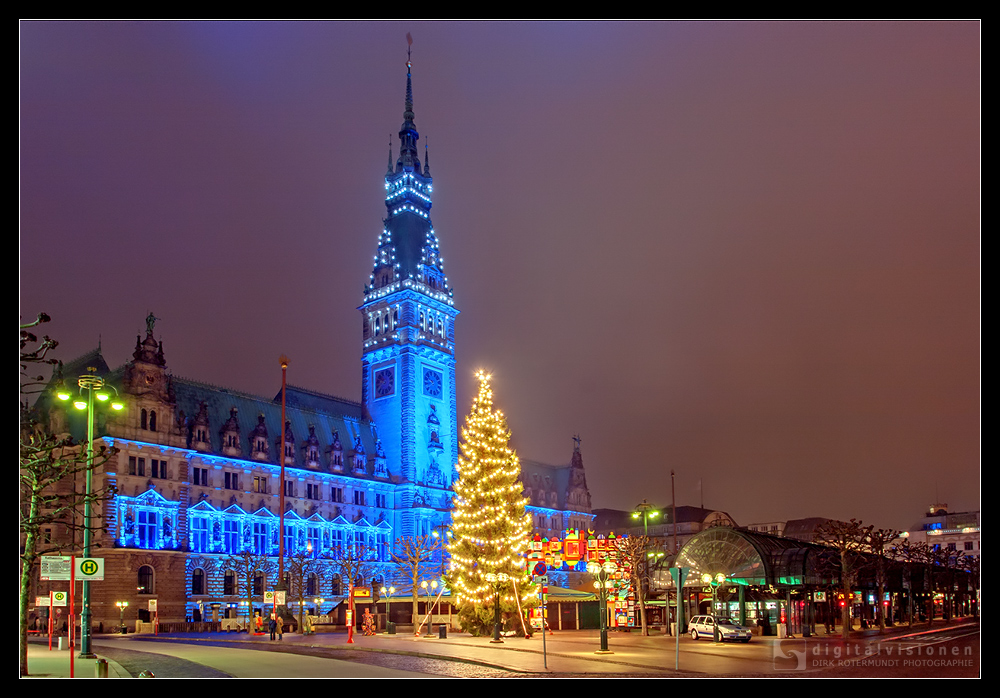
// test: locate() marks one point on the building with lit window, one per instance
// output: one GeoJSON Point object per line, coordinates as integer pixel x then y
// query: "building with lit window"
{"type": "Point", "coordinates": [954, 531]}
{"type": "Point", "coordinates": [197, 472]}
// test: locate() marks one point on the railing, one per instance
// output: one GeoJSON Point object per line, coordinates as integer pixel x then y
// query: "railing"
{"type": "Point", "coordinates": [178, 627]}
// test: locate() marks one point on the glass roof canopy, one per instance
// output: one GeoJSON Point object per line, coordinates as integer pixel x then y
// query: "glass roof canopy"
{"type": "Point", "coordinates": [749, 558]}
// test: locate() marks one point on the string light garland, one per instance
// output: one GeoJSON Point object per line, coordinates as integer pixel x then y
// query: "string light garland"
{"type": "Point", "coordinates": [491, 529]}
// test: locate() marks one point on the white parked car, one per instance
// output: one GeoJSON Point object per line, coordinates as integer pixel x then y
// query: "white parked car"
{"type": "Point", "coordinates": [704, 626]}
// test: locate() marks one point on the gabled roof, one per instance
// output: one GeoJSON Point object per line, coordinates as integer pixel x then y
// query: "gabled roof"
{"type": "Point", "coordinates": [542, 477]}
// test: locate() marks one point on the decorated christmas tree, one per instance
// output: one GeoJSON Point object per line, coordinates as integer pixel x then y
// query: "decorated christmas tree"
{"type": "Point", "coordinates": [490, 528]}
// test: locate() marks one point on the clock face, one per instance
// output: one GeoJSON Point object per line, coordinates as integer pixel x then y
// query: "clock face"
{"type": "Point", "coordinates": [432, 383]}
{"type": "Point", "coordinates": [385, 382]}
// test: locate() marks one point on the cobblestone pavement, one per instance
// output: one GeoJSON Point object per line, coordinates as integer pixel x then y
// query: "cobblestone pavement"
{"type": "Point", "coordinates": [401, 662]}
{"type": "Point", "coordinates": [161, 665]}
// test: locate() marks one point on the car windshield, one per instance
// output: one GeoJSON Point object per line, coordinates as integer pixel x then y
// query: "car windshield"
{"type": "Point", "coordinates": [726, 621]}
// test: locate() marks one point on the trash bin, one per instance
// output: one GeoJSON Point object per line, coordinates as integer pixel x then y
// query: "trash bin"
{"type": "Point", "coordinates": [390, 627]}
{"type": "Point", "coordinates": [443, 631]}
{"type": "Point", "coordinates": [101, 669]}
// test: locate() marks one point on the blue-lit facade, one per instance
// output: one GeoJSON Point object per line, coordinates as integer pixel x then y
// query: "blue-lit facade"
{"type": "Point", "coordinates": [197, 472]}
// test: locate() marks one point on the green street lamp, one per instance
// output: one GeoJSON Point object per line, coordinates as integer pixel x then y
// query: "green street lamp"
{"type": "Point", "coordinates": [92, 388]}
{"type": "Point", "coordinates": [496, 580]}
{"type": "Point", "coordinates": [603, 572]}
{"type": "Point", "coordinates": [714, 582]}
{"type": "Point", "coordinates": [647, 511]}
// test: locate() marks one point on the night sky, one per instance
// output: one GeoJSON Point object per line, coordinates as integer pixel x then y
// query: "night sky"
{"type": "Point", "coordinates": [749, 252]}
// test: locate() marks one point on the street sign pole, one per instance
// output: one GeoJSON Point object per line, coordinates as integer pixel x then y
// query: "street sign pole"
{"type": "Point", "coordinates": [541, 578]}
{"type": "Point", "coordinates": [680, 576]}
{"type": "Point", "coordinates": [72, 608]}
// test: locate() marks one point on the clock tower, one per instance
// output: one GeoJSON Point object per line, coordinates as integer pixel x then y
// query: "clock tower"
{"type": "Point", "coordinates": [408, 343]}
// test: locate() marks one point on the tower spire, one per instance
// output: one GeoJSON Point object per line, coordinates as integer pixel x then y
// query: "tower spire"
{"type": "Point", "coordinates": [408, 136]}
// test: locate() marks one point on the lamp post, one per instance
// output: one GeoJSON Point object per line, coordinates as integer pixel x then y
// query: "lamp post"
{"type": "Point", "coordinates": [603, 572]}
{"type": "Point", "coordinates": [496, 580]}
{"type": "Point", "coordinates": [92, 387]}
{"type": "Point", "coordinates": [714, 582]}
{"type": "Point", "coordinates": [122, 605]}
{"type": "Point", "coordinates": [647, 511]}
{"type": "Point", "coordinates": [428, 589]}
{"type": "Point", "coordinates": [441, 543]}
{"type": "Point", "coordinates": [387, 593]}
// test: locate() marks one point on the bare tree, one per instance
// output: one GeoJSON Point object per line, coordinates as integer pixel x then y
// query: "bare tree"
{"type": "Point", "coordinates": [412, 555]}
{"type": "Point", "coordinates": [632, 552]}
{"type": "Point", "coordinates": [934, 561]}
{"type": "Point", "coordinates": [910, 554]}
{"type": "Point", "coordinates": [878, 543]}
{"type": "Point", "coordinates": [299, 567]}
{"type": "Point", "coordinates": [249, 566]}
{"type": "Point", "coordinates": [355, 563]}
{"type": "Point", "coordinates": [50, 505]}
{"type": "Point", "coordinates": [849, 540]}
{"type": "Point", "coordinates": [970, 565]}
{"type": "Point", "coordinates": [951, 560]}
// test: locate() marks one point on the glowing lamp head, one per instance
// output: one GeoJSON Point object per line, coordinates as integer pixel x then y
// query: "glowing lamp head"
{"type": "Point", "coordinates": [80, 404]}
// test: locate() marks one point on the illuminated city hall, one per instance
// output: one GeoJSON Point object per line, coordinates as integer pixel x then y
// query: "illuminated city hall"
{"type": "Point", "coordinates": [197, 472]}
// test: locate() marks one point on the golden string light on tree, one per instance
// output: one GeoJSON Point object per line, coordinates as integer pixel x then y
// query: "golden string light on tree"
{"type": "Point", "coordinates": [490, 527]}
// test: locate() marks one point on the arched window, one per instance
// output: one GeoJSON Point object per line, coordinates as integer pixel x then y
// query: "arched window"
{"type": "Point", "coordinates": [336, 585]}
{"type": "Point", "coordinates": [152, 420]}
{"type": "Point", "coordinates": [312, 585]}
{"type": "Point", "coordinates": [145, 580]}
{"type": "Point", "coordinates": [258, 584]}
{"type": "Point", "coordinates": [229, 583]}
{"type": "Point", "coordinates": [198, 582]}
{"type": "Point", "coordinates": [142, 419]}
